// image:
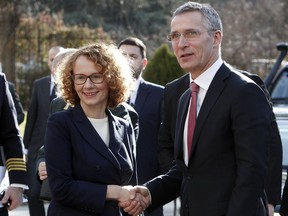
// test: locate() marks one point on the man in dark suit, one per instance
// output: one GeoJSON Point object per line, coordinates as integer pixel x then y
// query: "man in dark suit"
{"type": "Point", "coordinates": [12, 147]}
{"type": "Point", "coordinates": [167, 136]}
{"type": "Point", "coordinates": [17, 103]}
{"type": "Point", "coordinates": [34, 133]}
{"type": "Point", "coordinates": [147, 100]}
{"type": "Point", "coordinates": [225, 172]}
{"type": "Point", "coordinates": [273, 179]}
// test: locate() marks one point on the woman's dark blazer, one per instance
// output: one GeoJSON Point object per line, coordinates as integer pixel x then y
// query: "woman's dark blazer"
{"type": "Point", "coordinates": [80, 165]}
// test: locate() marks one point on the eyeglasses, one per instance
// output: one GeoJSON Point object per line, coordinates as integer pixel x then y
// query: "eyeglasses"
{"type": "Point", "coordinates": [80, 79]}
{"type": "Point", "coordinates": [189, 35]}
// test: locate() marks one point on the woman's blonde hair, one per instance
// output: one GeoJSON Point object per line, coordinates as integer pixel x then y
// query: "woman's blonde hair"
{"type": "Point", "coordinates": [115, 69]}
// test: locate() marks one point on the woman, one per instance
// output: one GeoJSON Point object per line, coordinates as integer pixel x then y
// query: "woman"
{"type": "Point", "coordinates": [89, 151]}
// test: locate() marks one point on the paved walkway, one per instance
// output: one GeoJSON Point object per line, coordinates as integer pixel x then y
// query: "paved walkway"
{"type": "Point", "coordinates": [23, 210]}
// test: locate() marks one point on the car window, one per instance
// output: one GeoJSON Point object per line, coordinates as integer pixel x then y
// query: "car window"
{"type": "Point", "coordinates": [280, 89]}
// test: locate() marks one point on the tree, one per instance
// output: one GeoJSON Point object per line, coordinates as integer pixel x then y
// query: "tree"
{"type": "Point", "coordinates": [163, 66]}
{"type": "Point", "coordinates": [36, 35]}
{"type": "Point", "coordinates": [8, 24]}
{"type": "Point", "coordinates": [248, 33]}
{"type": "Point", "coordinates": [251, 34]}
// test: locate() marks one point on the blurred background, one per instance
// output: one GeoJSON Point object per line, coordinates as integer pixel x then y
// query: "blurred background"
{"type": "Point", "coordinates": [29, 28]}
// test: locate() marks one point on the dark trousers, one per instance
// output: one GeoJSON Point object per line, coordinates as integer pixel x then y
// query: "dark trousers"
{"type": "Point", "coordinates": [36, 206]}
{"type": "Point", "coordinates": [156, 212]}
{"type": "Point", "coordinates": [3, 211]}
{"type": "Point", "coordinates": [284, 201]}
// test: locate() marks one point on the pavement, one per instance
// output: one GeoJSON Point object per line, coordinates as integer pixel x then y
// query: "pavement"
{"type": "Point", "coordinates": [168, 210]}
{"type": "Point", "coordinates": [23, 209]}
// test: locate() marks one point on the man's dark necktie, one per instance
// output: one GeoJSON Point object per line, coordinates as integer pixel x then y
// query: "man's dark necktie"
{"type": "Point", "coordinates": [192, 115]}
{"type": "Point", "coordinates": [53, 93]}
{"type": "Point", "coordinates": [130, 102]}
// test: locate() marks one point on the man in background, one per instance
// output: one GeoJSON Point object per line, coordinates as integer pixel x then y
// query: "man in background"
{"type": "Point", "coordinates": [147, 100]}
{"type": "Point", "coordinates": [42, 94]}
{"type": "Point", "coordinates": [17, 103]}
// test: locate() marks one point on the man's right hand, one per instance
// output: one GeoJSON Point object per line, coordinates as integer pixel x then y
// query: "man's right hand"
{"type": "Point", "coordinates": [138, 195]}
{"type": "Point", "coordinates": [42, 172]}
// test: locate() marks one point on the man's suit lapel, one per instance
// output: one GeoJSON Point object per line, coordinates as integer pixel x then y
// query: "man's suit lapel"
{"type": "Point", "coordinates": [142, 94]}
{"type": "Point", "coordinates": [180, 123]}
{"type": "Point", "coordinates": [46, 90]}
{"type": "Point", "coordinates": [93, 139]}
{"type": "Point", "coordinates": [215, 89]}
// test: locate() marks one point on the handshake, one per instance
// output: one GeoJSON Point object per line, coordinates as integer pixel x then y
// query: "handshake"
{"type": "Point", "coordinates": [134, 200]}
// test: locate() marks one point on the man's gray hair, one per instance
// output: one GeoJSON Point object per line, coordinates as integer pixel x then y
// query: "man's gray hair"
{"type": "Point", "coordinates": [211, 17]}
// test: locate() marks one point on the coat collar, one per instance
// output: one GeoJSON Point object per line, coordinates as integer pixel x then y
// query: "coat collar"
{"type": "Point", "coordinates": [87, 131]}
{"type": "Point", "coordinates": [142, 94]}
{"type": "Point", "coordinates": [216, 87]}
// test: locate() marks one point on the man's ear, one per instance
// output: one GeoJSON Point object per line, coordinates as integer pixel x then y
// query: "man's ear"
{"type": "Point", "coordinates": [218, 37]}
{"type": "Point", "coordinates": [145, 62]}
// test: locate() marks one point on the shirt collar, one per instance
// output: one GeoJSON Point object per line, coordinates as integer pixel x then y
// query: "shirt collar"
{"type": "Point", "coordinates": [204, 80]}
{"type": "Point", "coordinates": [133, 94]}
{"type": "Point", "coordinates": [52, 79]}
{"type": "Point", "coordinates": [137, 83]}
